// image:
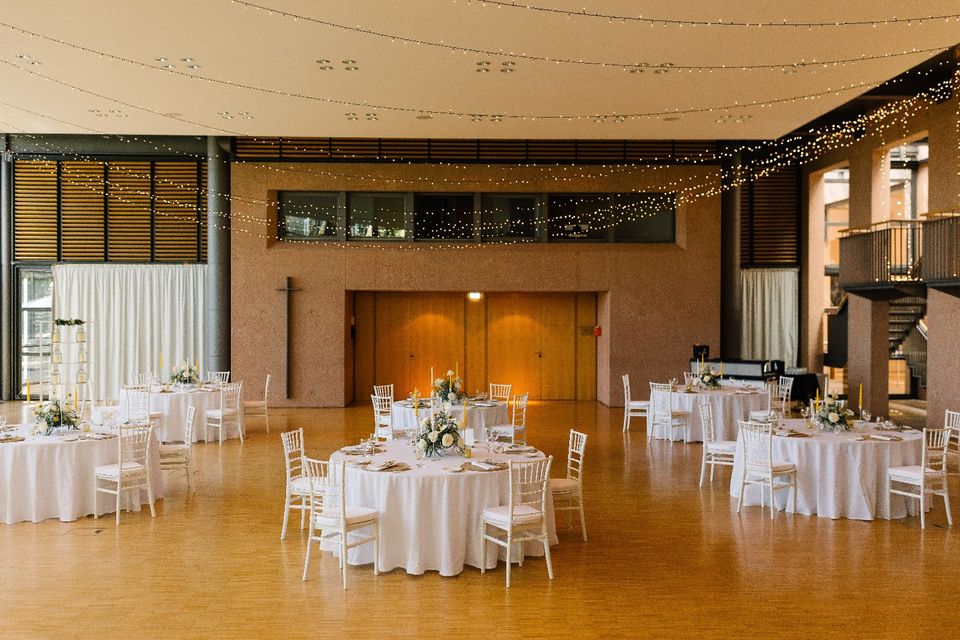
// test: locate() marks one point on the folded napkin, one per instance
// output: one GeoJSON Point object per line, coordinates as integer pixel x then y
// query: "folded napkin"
{"type": "Point", "coordinates": [481, 465]}
{"type": "Point", "coordinates": [97, 436]}
{"type": "Point", "coordinates": [388, 465]}
{"type": "Point", "coordinates": [885, 438]}
{"type": "Point", "coordinates": [517, 448]}
{"type": "Point", "coordinates": [790, 433]}
{"type": "Point", "coordinates": [9, 438]}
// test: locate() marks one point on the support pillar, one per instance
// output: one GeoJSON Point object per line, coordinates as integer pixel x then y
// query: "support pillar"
{"type": "Point", "coordinates": [6, 275]}
{"type": "Point", "coordinates": [217, 312]}
{"type": "Point", "coordinates": [943, 354]}
{"type": "Point", "coordinates": [731, 311]}
{"type": "Point", "coordinates": [868, 354]}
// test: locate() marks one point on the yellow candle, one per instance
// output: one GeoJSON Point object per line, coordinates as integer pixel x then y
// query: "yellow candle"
{"type": "Point", "coordinates": [75, 397]}
{"type": "Point", "coordinates": [161, 361]}
{"type": "Point", "coordinates": [457, 374]}
{"type": "Point", "coordinates": [721, 369]}
{"type": "Point", "coordinates": [464, 415]}
{"type": "Point", "coordinates": [816, 402]}
{"type": "Point", "coordinates": [196, 364]}
{"type": "Point", "coordinates": [861, 395]}
{"type": "Point", "coordinates": [28, 389]}
{"type": "Point", "coordinates": [416, 404]}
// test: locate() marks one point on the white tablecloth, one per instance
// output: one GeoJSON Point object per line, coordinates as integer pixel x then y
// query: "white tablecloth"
{"type": "Point", "coordinates": [729, 406]}
{"type": "Point", "coordinates": [837, 476]}
{"type": "Point", "coordinates": [430, 517]}
{"type": "Point", "coordinates": [477, 417]}
{"type": "Point", "coordinates": [44, 477]}
{"type": "Point", "coordinates": [173, 405]}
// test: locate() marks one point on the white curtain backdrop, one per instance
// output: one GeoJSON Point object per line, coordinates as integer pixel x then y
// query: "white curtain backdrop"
{"type": "Point", "coordinates": [135, 313]}
{"type": "Point", "coordinates": [770, 327]}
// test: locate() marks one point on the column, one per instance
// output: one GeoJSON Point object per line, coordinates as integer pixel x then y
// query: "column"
{"type": "Point", "coordinates": [943, 354]}
{"type": "Point", "coordinates": [6, 275]}
{"type": "Point", "coordinates": [868, 353]}
{"type": "Point", "coordinates": [731, 312]}
{"type": "Point", "coordinates": [217, 313]}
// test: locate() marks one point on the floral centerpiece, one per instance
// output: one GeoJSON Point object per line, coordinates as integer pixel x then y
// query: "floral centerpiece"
{"type": "Point", "coordinates": [53, 415]}
{"type": "Point", "coordinates": [184, 373]}
{"type": "Point", "coordinates": [439, 433]}
{"type": "Point", "coordinates": [831, 416]}
{"type": "Point", "coordinates": [67, 322]}
{"type": "Point", "coordinates": [708, 378]}
{"type": "Point", "coordinates": [449, 388]}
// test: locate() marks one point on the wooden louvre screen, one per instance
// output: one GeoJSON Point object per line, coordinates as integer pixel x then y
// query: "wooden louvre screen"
{"type": "Point", "coordinates": [770, 219]}
{"type": "Point", "coordinates": [96, 211]}
{"type": "Point", "coordinates": [35, 210]}
{"type": "Point", "coordinates": [466, 150]}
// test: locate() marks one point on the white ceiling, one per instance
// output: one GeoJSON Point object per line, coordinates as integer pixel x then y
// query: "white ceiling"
{"type": "Point", "coordinates": [276, 56]}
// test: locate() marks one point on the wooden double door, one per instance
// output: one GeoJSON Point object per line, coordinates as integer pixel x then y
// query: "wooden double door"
{"type": "Point", "coordinates": [541, 343]}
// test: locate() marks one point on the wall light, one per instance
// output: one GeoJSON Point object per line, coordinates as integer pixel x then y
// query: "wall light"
{"type": "Point", "coordinates": [475, 296]}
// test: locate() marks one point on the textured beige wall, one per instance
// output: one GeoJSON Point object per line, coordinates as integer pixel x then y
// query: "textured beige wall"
{"type": "Point", "coordinates": [655, 300]}
{"type": "Point", "coordinates": [943, 354]}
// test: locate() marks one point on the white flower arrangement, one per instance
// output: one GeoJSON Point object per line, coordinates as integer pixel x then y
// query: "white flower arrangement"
{"type": "Point", "coordinates": [449, 388]}
{"type": "Point", "coordinates": [831, 416]}
{"type": "Point", "coordinates": [53, 415]}
{"type": "Point", "coordinates": [439, 434]}
{"type": "Point", "coordinates": [708, 378]}
{"type": "Point", "coordinates": [185, 373]}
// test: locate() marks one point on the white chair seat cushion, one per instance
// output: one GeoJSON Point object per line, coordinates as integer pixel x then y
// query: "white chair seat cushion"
{"type": "Point", "coordinates": [216, 413]}
{"type": "Point", "coordinates": [523, 514]}
{"type": "Point", "coordinates": [505, 429]}
{"type": "Point", "coordinates": [330, 517]}
{"type": "Point", "coordinates": [638, 404]}
{"type": "Point", "coordinates": [168, 450]}
{"type": "Point", "coordinates": [778, 467]}
{"type": "Point", "coordinates": [301, 486]}
{"type": "Point", "coordinates": [910, 473]}
{"type": "Point", "coordinates": [760, 415]}
{"type": "Point", "coordinates": [113, 470]}
{"type": "Point", "coordinates": [679, 414]}
{"type": "Point", "coordinates": [722, 446]}
{"type": "Point", "coordinates": [563, 485]}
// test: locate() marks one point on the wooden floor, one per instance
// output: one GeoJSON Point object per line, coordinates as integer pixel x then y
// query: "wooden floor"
{"type": "Point", "coordinates": [665, 559]}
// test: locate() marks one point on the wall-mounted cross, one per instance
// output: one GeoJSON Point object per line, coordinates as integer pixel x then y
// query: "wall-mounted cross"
{"type": "Point", "coordinates": [287, 290]}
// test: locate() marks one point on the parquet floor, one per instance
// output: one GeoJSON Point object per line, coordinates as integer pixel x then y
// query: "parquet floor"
{"type": "Point", "coordinates": [665, 559]}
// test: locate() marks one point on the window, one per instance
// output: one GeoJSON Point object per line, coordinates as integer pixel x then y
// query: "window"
{"type": "Point", "coordinates": [508, 216]}
{"type": "Point", "coordinates": [836, 203]}
{"type": "Point", "coordinates": [305, 214]}
{"type": "Point", "coordinates": [443, 217]}
{"type": "Point", "coordinates": [35, 293]}
{"type": "Point", "coordinates": [646, 217]}
{"type": "Point", "coordinates": [375, 215]}
{"type": "Point", "coordinates": [625, 217]}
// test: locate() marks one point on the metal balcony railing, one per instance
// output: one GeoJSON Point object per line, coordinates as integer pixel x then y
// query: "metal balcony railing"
{"type": "Point", "coordinates": [941, 248]}
{"type": "Point", "coordinates": [882, 255]}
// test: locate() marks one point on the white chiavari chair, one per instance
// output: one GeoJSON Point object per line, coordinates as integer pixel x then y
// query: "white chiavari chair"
{"type": "Point", "coordinates": [664, 415]}
{"type": "Point", "coordinates": [383, 390]}
{"type": "Point", "coordinates": [297, 486]}
{"type": "Point", "coordinates": [929, 478]}
{"type": "Point", "coordinates": [218, 377]}
{"type": "Point", "coordinates": [568, 492]}
{"type": "Point", "coordinates": [516, 431]}
{"type": "Point", "coordinates": [759, 466]}
{"type": "Point", "coordinates": [332, 520]}
{"type": "Point", "coordinates": [131, 472]}
{"type": "Point", "coordinates": [715, 452]}
{"type": "Point", "coordinates": [141, 380]}
{"type": "Point", "coordinates": [778, 399]}
{"type": "Point", "coordinates": [382, 416]}
{"type": "Point", "coordinates": [784, 394]}
{"type": "Point", "coordinates": [634, 408]}
{"type": "Point", "coordinates": [138, 404]}
{"type": "Point", "coordinates": [500, 392]}
{"type": "Point", "coordinates": [180, 456]}
{"type": "Point", "coordinates": [258, 407]}
{"type": "Point", "coordinates": [688, 378]}
{"type": "Point", "coordinates": [228, 415]}
{"type": "Point", "coordinates": [524, 516]}
{"type": "Point", "coordinates": [951, 420]}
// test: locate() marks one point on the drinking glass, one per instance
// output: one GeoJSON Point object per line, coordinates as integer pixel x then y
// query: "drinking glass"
{"type": "Point", "coordinates": [804, 412]}
{"type": "Point", "coordinates": [864, 415]}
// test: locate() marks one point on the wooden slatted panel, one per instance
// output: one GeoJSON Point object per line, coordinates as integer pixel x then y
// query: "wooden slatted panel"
{"type": "Point", "coordinates": [501, 151]}
{"type": "Point", "coordinates": [82, 210]}
{"type": "Point", "coordinates": [305, 148]}
{"type": "Point", "coordinates": [35, 210]}
{"type": "Point", "coordinates": [770, 233]}
{"type": "Point", "coordinates": [257, 148]}
{"type": "Point", "coordinates": [694, 151]}
{"type": "Point", "coordinates": [553, 151]}
{"type": "Point", "coordinates": [176, 214]}
{"type": "Point", "coordinates": [453, 150]}
{"type": "Point", "coordinates": [649, 151]}
{"type": "Point", "coordinates": [600, 151]}
{"type": "Point", "coordinates": [355, 148]}
{"type": "Point", "coordinates": [400, 149]}
{"type": "Point", "coordinates": [203, 213]}
{"type": "Point", "coordinates": [128, 211]}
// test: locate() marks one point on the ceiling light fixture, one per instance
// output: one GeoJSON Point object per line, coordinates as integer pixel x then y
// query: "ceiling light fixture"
{"type": "Point", "coordinates": [475, 296]}
{"type": "Point", "coordinates": [424, 116]}
{"type": "Point", "coordinates": [352, 116]}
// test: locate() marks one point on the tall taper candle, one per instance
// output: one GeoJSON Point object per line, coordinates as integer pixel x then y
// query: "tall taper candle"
{"type": "Point", "coordinates": [861, 395]}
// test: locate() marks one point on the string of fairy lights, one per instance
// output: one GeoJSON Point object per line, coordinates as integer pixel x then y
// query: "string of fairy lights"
{"type": "Point", "coordinates": [832, 137]}
{"type": "Point", "coordinates": [635, 66]}
{"type": "Point", "coordinates": [654, 21]}
{"type": "Point", "coordinates": [419, 110]}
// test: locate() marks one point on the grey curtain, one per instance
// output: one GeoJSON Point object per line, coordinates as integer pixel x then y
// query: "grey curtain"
{"type": "Point", "coordinates": [770, 304]}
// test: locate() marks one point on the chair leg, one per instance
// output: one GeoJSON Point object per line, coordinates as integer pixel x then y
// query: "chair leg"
{"type": "Point", "coordinates": [509, 553]}
{"type": "Point", "coordinates": [240, 429]}
{"type": "Point", "coordinates": [96, 510]}
{"type": "Point", "coordinates": [626, 419]}
{"type": "Point", "coordinates": [303, 513]}
{"type": "Point", "coordinates": [286, 516]}
{"type": "Point", "coordinates": [483, 547]}
{"type": "Point", "coordinates": [713, 467]}
{"type": "Point", "coordinates": [793, 499]}
{"type": "Point", "coordinates": [946, 504]}
{"type": "Point", "coordinates": [583, 520]}
{"type": "Point", "coordinates": [343, 557]}
{"type": "Point", "coordinates": [153, 511]}
{"type": "Point", "coordinates": [546, 554]}
{"type": "Point", "coordinates": [266, 419]}
{"type": "Point", "coordinates": [118, 505]}
{"type": "Point", "coordinates": [773, 502]}
{"type": "Point", "coordinates": [923, 508]}
{"type": "Point", "coordinates": [743, 486]}
{"type": "Point", "coordinates": [376, 548]}
{"type": "Point", "coordinates": [306, 562]}
{"type": "Point", "coordinates": [703, 466]}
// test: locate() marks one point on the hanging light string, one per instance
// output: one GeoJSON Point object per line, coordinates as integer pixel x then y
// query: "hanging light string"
{"type": "Point", "coordinates": [584, 13]}
{"type": "Point", "coordinates": [630, 66]}
{"type": "Point", "coordinates": [833, 138]}
{"type": "Point", "coordinates": [599, 117]}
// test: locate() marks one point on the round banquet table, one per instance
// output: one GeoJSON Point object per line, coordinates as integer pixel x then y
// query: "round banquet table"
{"type": "Point", "coordinates": [430, 517]}
{"type": "Point", "coordinates": [838, 476]}
{"type": "Point", "coordinates": [478, 417]}
{"type": "Point", "coordinates": [729, 405]}
{"type": "Point", "coordinates": [173, 404]}
{"type": "Point", "coordinates": [45, 477]}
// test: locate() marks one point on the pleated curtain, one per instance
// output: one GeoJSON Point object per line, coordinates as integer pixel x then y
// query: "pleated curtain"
{"type": "Point", "coordinates": [133, 313]}
{"type": "Point", "coordinates": [770, 304]}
